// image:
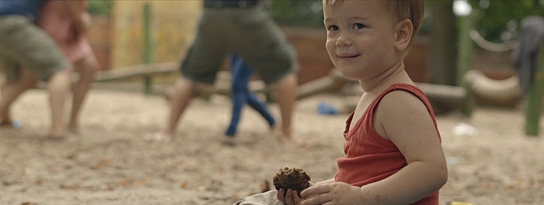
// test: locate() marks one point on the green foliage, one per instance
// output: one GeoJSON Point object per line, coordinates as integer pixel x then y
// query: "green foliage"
{"type": "Point", "coordinates": [308, 13]}
{"type": "Point", "coordinates": [493, 22]}
{"type": "Point", "coordinates": [100, 7]}
{"type": "Point", "coordinates": [499, 17]}
{"type": "Point", "coordinates": [303, 13]}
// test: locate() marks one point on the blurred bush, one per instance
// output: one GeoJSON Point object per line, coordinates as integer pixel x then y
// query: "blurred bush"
{"type": "Point", "coordinates": [499, 20]}
{"type": "Point", "coordinates": [309, 13]}
{"type": "Point", "coordinates": [302, 13]}
{"type": "Point", "coordinates": [100, 7]}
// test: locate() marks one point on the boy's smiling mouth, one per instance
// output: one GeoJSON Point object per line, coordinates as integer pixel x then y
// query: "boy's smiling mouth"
{"type": "Point", "coordinates": [347, 56]}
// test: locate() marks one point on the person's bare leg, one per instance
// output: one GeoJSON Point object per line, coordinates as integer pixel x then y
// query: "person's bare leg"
{"type": "Point", "coordinates": [86, 68]}
{"type": "Point", "coordinates": [10, 91]}
{"type": "Point", "coordinates": [180, 98]}
{"type": "Point", "coordinates": [286, 96]}
{"type": "Point", "coordinates": [58, 88]}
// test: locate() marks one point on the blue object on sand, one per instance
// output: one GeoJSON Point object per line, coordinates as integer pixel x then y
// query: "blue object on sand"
{"type": "Point", "coordinates": [16, 124]}
{"type": "Point", "coordinates": [326, 109]}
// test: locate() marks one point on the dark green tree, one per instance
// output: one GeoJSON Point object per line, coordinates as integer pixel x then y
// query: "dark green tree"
{"type": "Point", "coordinates": [502, 16]}
{"type": "Point", "coordinates": [100, 7]}
{"type": "Point", "coordinates": [303, 13]}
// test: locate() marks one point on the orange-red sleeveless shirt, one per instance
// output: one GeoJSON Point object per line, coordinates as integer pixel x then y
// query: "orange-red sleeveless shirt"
{"type": "Point", "coordinates": [369, 157]}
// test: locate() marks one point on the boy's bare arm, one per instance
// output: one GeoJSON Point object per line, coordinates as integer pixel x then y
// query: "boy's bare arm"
{"type": "Point", "coordinates": [404, 119]}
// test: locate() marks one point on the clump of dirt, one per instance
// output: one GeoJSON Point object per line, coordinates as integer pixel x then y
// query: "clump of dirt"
{"type": "Point", "coordinates": [295, 179]}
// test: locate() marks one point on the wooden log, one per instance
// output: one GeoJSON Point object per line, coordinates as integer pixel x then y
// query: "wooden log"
{"type": "Point", "coordinates": [137, 70]}
{"type": "Point", "coordinates": [320, 85]}
{"type": "Point", "coordinates": [313, 87]}
{"type": "Point", "coordinates": [454, 96]}
{"type": "Point", "coordinates": [451, 95]}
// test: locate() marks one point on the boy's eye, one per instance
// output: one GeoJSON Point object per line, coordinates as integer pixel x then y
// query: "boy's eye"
{"type": "Point", "coordinates": [358, 26]}
{"type": "Point", "coordinates": [332, 28]}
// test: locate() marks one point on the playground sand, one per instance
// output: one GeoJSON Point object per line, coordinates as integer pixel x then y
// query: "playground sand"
{"type": "Point", "coordinates": [490, 159]}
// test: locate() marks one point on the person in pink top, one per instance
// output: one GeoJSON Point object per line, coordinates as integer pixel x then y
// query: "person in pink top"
{"type": "Point", "coordinates": [393, 151]}
{"type": "Point", "coordinates": [57, 19]}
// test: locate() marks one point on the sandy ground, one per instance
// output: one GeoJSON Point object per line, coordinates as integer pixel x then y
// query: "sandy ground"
{"type": "Point", "coordinates": [490, 160]}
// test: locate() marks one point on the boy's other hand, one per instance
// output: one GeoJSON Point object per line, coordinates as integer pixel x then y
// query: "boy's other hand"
{"type": "Point", "coordinates": [337, 193]}
{"type": "Point", "coordinates": [289, 197]}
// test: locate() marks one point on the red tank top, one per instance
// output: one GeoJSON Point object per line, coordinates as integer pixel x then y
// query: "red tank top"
{"type": "Point", "coordinates": [369, 157]}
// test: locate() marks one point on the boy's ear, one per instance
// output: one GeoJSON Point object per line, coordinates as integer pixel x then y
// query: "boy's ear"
{"type": "Point", "coordinates": [404, 31]}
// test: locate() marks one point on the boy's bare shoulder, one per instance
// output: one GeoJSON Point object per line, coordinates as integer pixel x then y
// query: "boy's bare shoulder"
{"type": "Point", "coordinates": [401, 96]}
{"type": "Point", "coordinates": [399, 102]}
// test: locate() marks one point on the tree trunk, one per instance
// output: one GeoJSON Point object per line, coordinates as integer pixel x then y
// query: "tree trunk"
{"type": "Point", "coordinates": [443, 50]}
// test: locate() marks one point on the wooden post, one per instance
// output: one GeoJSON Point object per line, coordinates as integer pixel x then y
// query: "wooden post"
{"type": "Point", "coordinates": [147, 54]}
{"type": "Point", "coordinates": [464, 63]}
{"type": "Point", "coordinates": [534, 96]}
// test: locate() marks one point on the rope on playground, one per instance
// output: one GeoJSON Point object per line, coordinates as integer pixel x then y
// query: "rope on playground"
{"type": "Point", "coordinates": [505, 90]}
{"type": "Point", "coordinates": [490, 46]}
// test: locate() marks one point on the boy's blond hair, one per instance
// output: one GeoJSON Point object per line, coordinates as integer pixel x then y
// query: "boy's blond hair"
{"type": "Point", "coordinates": [400, 10]}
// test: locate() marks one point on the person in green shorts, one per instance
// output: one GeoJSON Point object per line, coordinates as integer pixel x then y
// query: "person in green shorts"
{"type": "Point", "coordinates": [246, 28]}
{"type": "Point", "coordinates": [23, 43]}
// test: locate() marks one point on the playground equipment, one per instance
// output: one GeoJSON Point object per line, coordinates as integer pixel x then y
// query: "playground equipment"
{"type": "Point", "coordinates": [529, 60]}
{"type": "Point", "coordinates": [148, 58]}
{"type": "Point", "coordinates": [506, 91]}
{"type": "Point", "coordinates": [534, 97]}
{"type": "Point", "coordinates": [142, 70]}
{"type": "Point", "coordinates": [501, 91]}
{"type": "Point", "coordinates": [510, 89]}
{"type": "Point", "coordinates": [466, 47]}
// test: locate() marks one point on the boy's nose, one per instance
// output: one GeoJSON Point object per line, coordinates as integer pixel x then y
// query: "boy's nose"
{"type": "Point", "coordinates": [343, 40]}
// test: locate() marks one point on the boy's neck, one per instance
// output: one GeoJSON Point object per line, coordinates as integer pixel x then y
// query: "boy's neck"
{"type": "Point", "coordinates": [396, 74]}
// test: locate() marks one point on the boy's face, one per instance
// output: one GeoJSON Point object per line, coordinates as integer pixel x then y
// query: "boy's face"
{"type": "Point", "coordinates": [360, 38]}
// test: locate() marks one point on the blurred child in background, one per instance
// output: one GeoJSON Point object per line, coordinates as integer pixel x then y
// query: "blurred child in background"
{"type": "Point", "coordinates": [69, 33]}
{"type": "Point", "coordinates": [241, 74]}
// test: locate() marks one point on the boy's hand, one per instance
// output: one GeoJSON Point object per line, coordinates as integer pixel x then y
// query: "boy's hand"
{"type": "Point", "coordinates": [289, 197]}
{"type": "Point", "coordinates": [337, 193]}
